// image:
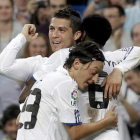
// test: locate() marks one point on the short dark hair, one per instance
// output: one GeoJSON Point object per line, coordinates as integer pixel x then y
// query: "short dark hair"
{"type": "Point", "coordinates": [10, 113]}
{"type": "Point", "coordinates": [120, 9]}
{"type": "Point", "coordinates": [137, 69]}
{"type": "Point", "coordinates": [86, 51]}
{"type": "Point", "coordinates": [97, 28]}
{"type": "Point", "coordinates": [72, 15]}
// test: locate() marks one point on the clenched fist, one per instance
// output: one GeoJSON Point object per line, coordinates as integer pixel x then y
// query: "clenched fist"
{"type": "Point", "coordinates": [29, 31]}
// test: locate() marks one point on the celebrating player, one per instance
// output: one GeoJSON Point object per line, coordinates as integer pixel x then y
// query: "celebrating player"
{"type": "Point", "coordinates": [96, 28]}
{"type": "Point", "coordinates": [54, 98]}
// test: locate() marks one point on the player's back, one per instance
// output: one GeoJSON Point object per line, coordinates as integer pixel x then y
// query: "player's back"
{"type": "Point", "coordinates": [40, 112]}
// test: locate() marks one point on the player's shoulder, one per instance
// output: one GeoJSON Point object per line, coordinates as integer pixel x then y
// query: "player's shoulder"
{"type": "Point", "coordinates": [64, 51]}
{"type": "Point", "coordinates": [57, 78]}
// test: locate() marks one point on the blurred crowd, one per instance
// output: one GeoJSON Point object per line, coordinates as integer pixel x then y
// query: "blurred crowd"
{"type": "Point", "coordinates": [124, 16]}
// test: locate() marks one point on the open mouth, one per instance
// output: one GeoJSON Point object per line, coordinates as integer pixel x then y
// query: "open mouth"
{"type": "Point", "coordinates": [56, 42]}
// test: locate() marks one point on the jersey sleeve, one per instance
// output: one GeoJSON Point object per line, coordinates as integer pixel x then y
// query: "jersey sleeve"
{"type": "Point", "coordinates": [127, 58]}
{"type": "Point", "coordinates": [67, 104]}
{"type": "Point", "coordinates": [54, 61]}
{"type": "Point", "coordinates": [18, 69]}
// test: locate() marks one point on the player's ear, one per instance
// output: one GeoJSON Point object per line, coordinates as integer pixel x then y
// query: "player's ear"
{"type": "Point", "coordinates": [77, 35]}
{"type": "Point", "coordinates": [76, 64]}
{"type": "Point", "coordinates": [83, 36]}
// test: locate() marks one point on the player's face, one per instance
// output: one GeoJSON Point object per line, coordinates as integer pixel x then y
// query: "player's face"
{"type": "Point", "coordinates": [11, 128]}
{"type": "Point", "coordinates": [88, 74]}
{"type": "Point", "coordinates": [136, 35]}
{"type": "Point", "coordinates": [133, 81]}
{"type": "Point", "coordinates": [6, 10]}
{"type": "Point", "coordinates": [38, 47]}
{"type": "Point", "coordinates": [60, 34]}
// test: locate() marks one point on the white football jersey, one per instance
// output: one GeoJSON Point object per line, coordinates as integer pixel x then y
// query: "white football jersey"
{"type": "Point", "coordinates": [53, 99]}
{"type": "Point", "coordinates": [21, 69]}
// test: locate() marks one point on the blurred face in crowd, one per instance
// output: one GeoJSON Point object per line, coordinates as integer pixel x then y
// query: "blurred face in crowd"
{"type": "Point", "coordinates": [11, 129]}
{"type": "Point", "coordinates": [116, 2]}
{"type": "Point", "coordinates": [21, 4]}
{"type": "Point", "coordinates": [133, 81]}
{"type": "Point", "coordinates": [56, 5]}
{"type": "Point", "coordinates": [42, 15]}
{"type": "Point", "coordinates": [38, 47]}
{"type": "Point", "coordinates": [136, 35]}
{"type": "Point", "coordinates": [6, 10]}
{"type": "Point", "coordinates": [112, 14]}
{"type": "Point", "coordinates": [61, 34]}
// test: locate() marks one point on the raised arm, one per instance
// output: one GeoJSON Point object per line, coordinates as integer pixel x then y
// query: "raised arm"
{"type": "Point", "coordinates": [19, 69]}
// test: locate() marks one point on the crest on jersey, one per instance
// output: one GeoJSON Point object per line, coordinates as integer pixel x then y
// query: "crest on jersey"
{"type": "Point", "coordinates": [74, 96]}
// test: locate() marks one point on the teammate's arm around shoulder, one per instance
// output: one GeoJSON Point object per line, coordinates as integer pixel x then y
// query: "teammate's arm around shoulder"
{"type": "Point", "coordinates": [127, 58]}
{"type": "Point", "coordinates": [83, 130]}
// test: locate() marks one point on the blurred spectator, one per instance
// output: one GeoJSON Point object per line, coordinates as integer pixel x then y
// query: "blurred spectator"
{"type": "Point", "coordinates": [21, 10]}
{"type": "Point", "coordinates": [39, 46]}
{"type": "Point", "coordinates": [96, 6]}
{"type": "Point", "coordinates": [8, 122]}
{"type": "Point", "coordinates": [135, 34]}
{"type": "Point", "coordinates": [133, 110]}
{"type": "Point", "coordinates": [40, 16]}
{"type": "Point", "coordinates": [56, 5]}
{"type": "Point", "coordinates": [119, 38]}
{"type": "Point", "coordinates": [132, 16]}
{"type": "Point", "coordinates": [9, 28]}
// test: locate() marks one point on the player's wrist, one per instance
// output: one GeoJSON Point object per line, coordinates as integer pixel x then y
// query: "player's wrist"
{"type": "Point", "coordinates": [118, 71]}
{"type": "Point", "coordinates": [107, 121]}
{"type": "Point", "coordinates": [24, 35]}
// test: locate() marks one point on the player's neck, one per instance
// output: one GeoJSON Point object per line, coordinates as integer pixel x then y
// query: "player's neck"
{"type": "Point", "coordinates": [71, 72]}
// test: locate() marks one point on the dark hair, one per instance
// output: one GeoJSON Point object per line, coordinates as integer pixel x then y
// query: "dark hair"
{"type": "Point", "coordinates": [133, 29]}
{"type": "Point", "coordinates": [86, 52]}
{"type": "Point", "coordinates": [34, 17]}
{"type": "Point", "coordinates": [97, 28]}
{"type": "Point", "coordinates": [137, 69]}
{"type": "Point", "coordinates": [10, 113]}
{"type": "Point", "coordinates": [69, 14]}
{"type": "Point", "coordinates": [120, 9]}
{"type": "Point", "coordinates": [12, 3]}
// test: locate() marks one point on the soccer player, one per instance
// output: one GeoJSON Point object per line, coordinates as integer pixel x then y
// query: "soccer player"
{"type": "Point", "coordinates": [13, 68]}
{"type": "Point", "coordinates": [54, 98]}
{"type": "Point", "coordinates": [66, 24]}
